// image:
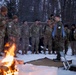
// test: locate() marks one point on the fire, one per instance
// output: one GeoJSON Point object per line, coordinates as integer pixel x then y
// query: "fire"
{"type": "Point", "coordinates": [9, 62]}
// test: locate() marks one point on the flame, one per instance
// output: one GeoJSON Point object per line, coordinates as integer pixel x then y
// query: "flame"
{"type": "Point", "coordinates": [9, 56]}
{"type": "Point", "coordinates": [9, 60]}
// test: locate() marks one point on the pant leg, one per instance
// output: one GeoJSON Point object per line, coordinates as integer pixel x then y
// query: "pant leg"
{"type": "Point", "coordinates": [1, 43]}
{"type": "Point", "coordinates": [49, 45]}
{"type": "Point", "coordinates": [17, 44]}
{"type": "Point", "coordinates": [37, 44]}
{"type": "Point", "coordinates": [33, 44]}
{"type": "Point", "coordinates": [72, 47]}
{"type": "Point", "coordinates": [66, 46]}
{"type": "Point", "coordinates": [75, 47]}
{"type": "Point", "coordinates": [23, 45]}
{"type": "Point", "coordinates": [26, 45]}
{"type": "Point", "coordinates": [45, 44]}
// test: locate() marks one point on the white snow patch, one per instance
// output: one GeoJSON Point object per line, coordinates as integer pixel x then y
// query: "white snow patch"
{"type": "Point", "coordinates": [30, 69]}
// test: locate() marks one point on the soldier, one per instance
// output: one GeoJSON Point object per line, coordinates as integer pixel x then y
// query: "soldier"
{"type": "Point", "coordinates": [58, 34]}
{"type": "Point", "coordinates": [48, 37]}
{"type": "Point", "coordinates": [52, 22]}
{"type": "Point", "coordinates": [14, 32]}
{"type": "Point", "coordinates": [2, 27]}
{"type": "Point", "coordinates": [66, 42]}
{"type": "Point", "coordinates": [41, 36]}
{"type": "Point", "coordinates": [25, 37]}
{"type": "Point", "coordinates": [52, 19]}
{"type": "Point", "coordinates": [35, 35]}
{"type": "Point", "coordinates": [73, 38]}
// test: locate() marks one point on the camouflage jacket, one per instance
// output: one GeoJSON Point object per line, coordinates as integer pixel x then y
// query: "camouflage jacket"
{"type": "Point", "coordinates": [75, 34]}
{"type": "Point", "coordinates": [13, 29]}
{"type": "Point", "coordinates": [58, 31]}
{"type": "Point", "coordinates": [35, 31]}
{"type": "Point", "coordinates": [67, 32]}
{"type": "Point", "coordinates": [48, 31]}
{"type": "Point", "coordinates": [24, 31]}
{"type": "Point", "coordinates": [2, 26]}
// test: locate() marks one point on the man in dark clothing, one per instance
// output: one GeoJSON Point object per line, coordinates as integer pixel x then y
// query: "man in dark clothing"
{"type": "Point", "coordinates": [66, 42]}
{"type": "Point", "coordinates": [73, 39]}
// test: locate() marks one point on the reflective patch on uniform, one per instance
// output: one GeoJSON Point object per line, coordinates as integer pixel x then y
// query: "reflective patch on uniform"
{"type": "Point", "coordinates": [10, 26]}
{"type": "Point", "coordinates": [59, 27]}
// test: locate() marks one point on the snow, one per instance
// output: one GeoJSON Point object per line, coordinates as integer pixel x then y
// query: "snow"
{"type": "Point", "coordinates": [29, 69]}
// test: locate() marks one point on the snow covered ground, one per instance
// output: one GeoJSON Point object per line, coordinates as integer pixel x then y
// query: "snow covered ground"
{"type": "Point", "coordinates": [29, 69]}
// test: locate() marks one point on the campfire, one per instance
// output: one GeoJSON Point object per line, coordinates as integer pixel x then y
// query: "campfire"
{"type": "Point", "coordinates": [8, 63]}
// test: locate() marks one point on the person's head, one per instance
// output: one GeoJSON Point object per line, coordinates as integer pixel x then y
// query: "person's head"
{"type": "Point", "coordinates": [73, 26]}
{"type": "Point", "coordinates": [66, 26]}
{"type": "Point", "coordinates": [52, 15]}
{"type": "Point", "coordinates": [25, 22]}
{"type": "Point", "coordinates": [15, 18]}
{"type": "Point", "coordinates": [37, 21]}
{"type": "Point", "coordinates": [57, 18]}
{"type": "Point", "coordinates": [48, 22]}
{"type": "Point", "coordinates": [4, 11]}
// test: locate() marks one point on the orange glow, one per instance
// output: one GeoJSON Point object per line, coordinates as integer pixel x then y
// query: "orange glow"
{"type": "Point", "coordinates": [9, 60]}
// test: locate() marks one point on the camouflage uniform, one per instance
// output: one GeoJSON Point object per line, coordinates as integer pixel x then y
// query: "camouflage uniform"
{"type": "Point", "coordinates": [48, 39]}
{"type": "Point", "coordinates": [75, 34]}
{"type": "Point", "coordinates": [52, 22]}
{"type": "Point", "coordinates": [73, 40]}
{"type": "Point", "coordinates": [35, 35]}
{"type": "Point", "coordinates": [58, 36]}
{"type": "Point", "coordinates": [2, 31]}
{"type": "Point", "coordinates": [25, 38]}
{"type": "Point", "coordinates": [14, 34]}
{"type": "Point", "coordinates": [66, 42]}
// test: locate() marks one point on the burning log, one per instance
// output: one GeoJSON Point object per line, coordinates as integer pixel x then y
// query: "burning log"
{"type": "Point", "coordinates": [8, 64]}
{"type": "Point", "coordinates": [4, 70]}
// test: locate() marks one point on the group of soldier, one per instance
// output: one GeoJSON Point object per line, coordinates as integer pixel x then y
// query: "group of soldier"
{"type": "Point", "coordinates": [53, 35]}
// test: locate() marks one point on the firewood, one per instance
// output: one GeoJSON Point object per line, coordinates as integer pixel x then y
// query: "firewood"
{"type": "Point", "coordinates": [4, 68]}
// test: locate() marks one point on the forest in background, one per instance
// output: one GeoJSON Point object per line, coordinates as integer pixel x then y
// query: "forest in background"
{"type": "Point", "coordinates": [41, 9]}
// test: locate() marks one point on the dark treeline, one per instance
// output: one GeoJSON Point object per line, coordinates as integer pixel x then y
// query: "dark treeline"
{"type": "Point", "coordinates": [41, 9]}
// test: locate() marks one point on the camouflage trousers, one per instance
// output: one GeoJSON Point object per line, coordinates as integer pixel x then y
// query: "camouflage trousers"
{"type": "Point", "coordinates": [66, 44]}
{"type": "Point", "coordinates": [35, 44]}
{"type": "Point", "coordinates": [73, 46]}
{"type": "Point", "coordinates": [1, 43]}
{"type": "Point", "coordinates": [25, 45]}
{"type": "Point", "coordinates": [59, 46]}
{"type": "Point", "coordinates": [47, 42]}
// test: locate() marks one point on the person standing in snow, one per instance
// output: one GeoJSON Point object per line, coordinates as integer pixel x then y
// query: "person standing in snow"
{"type": "Point", "coordinates": [35, 35]}
{"type": "Point", "coordinates": [14, 32]}
{"type": "Point", "coordinates": [58, 34]}
{"type": "Point", "coordinates": [25, 37]}
{"type": "Point", "coordinates": [66, 42]}
{"type": "Point", "coordinates": [2, 26]}
{"type": "Point", "coordinates": [48, 37]}
{"type": "Point", "coordinates": [73, 38]}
